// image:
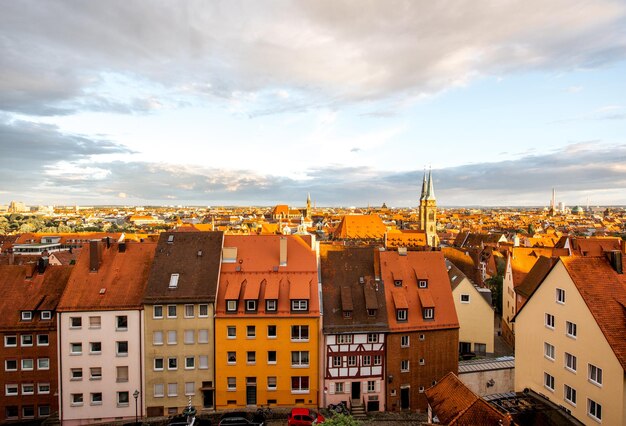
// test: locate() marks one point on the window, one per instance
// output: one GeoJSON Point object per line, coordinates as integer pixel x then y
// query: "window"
{"type": "Point", "coordinates": [76, 374]}
{"type": "Point", "coordinates": [171, 311]}
{"type": "Point", "coordinates": [570, 362]}
{"type": "Point", "coordinates": [251, 357]}
{"type": "Point", "coordinates": [549, 320]}
{"type": "Point", "coordinates": [172, 363]}
{"type": "Point", "coordinates": [339, 387]}
{"type": "Point", "coordinates": [44, 410]}
{"type": "Point", "coordinates": [190, 388]}
{"type": "Point", "coordinates": [569, 393]}
{"type": "Point", "coordinates": [372, 338]}
{"type": "Point", "coordinates": [404, 365]}
{"type": "Point", "coordinates": [203, 336]}
{"type": "Point", "coordinates": [123, 399]}
{"type": "Point", "coordinates": [422, 337]}
{"type": "Point", "coordinates": [28, 389]}
{"type": "Point", "coordinates": [371, 386]}
{"type": "Point", "coordinates": [422, 284]}
{"type": "Point", "coordinates": [203, 362]}
{"type": "Point", "coordinates": [121, 374]}
{"type": "Point", "coordinates": [159, 390]}
{"type": "Point", "coordinates": [299, 305]}
{"type": "Point", "coordinates": [189, 311]}
{"type": "Point", "coordinates": [299, 384]}
{"type": "Point", "coordinates": [28, 411]}
{"type": "Point", "coordinates": [231, 383]}
{"type": "Point", "coordinates": [301, 359]}
{"type": "Point", "coordinates": [189, 336]}
{"type": "Point", "coordinates": [480, 348]}
{"type": "Point", "coordinates": [548, 381]}
{"type": "Point", "coordinates": [347, 314]}
{"type": "Point", "coordinates": [351, 361]}
{"type": "Point", "coordinates": [401, 314]}
{"type": "Point", "coordinates": [43, 363]}
{"type": "Point", "coordinates": [422, 361]}
{"type": "Point", "coordinates": [594, 410]}
{"type": "Point", "coordinates": [336, 361]}
{"type": "Point", "coordinates": [26, 340]}
{"type": "Point", "coordinates": [570, 329]}
{"type": "Point", "coordinates": [378, 360]}
{"type": "Point", "coordinates": [271, 383]}
{"type": "Point", "coordinates": [231, 306]}
{"type": "Point", "coordinates": [404, 341]}
{"type": "Point", "coordinates": [121, 322]}
{"type": "Point", "coordinates": [271, 357]}
{"type": "Point", "coordinates": [203, 310]}
{"type": "Point", "coordinates": [46, 315]}
{"type": "Point", "coordinates": [270, 305]}
{"type": "Point", "coordinates": [548, 351]}
{"type": "Point", "coordinates": [95, 373]}
{"type": "Point", "coordinates": [367, 360]}
{"type": "Point", "coordinates": [27, 364]}
{"type": "Point", "coordinates": [43, 340]}
{"type": "Point", "coordinates": [190, 362]}
{"type": "Point", "coordinates": [250, 305]}
{"type": "Point", "coordinates": [27, 315]}
{"type": "Point", "coordinates": [172, 389]}
{"type": "Point", "coordinates": [271, 331]}
{"type": "Point", "coordinates": [429, 313]}
{"type": "Point", "coordinates": [43, 388]}
{"type": "Point", "coordinates": [157, 312]}
{"type": "Point", "coordinates": [10, 341]}
{"type": "Point", "coordinates": [12, 412]}
{"type": "Point", "coordinates": [10, 365]}
{"type": "Point", "coordinates": [157, 338]}
{"type": "Point", "coordinates": [121, 348]}
{"type": "Point", "coordinates": [95, 347]}
{"type": "Point", "coordinates": [299, 332]}
{"type": "Point", "coordinates": [158, 364]}
{"type": "Point", "coordinates": [560, 295]}
{"type": "Point", "coordinates": [76, 399]}
{"type": "Point", "coordinates": [96, 398]}
{"type": "Point", "coordinates": [231, 331]}
{"type": "Point", "coordinates": [371, 312]}
{"type": "Point", "coordinates": [397, 283]}
{"type": "Point", "coordinates": [76, 322]}
{"type": "Point", "coordinates": [173, 281]}
{"type": "Point", "coordinates": [465, 298]}
{"type": "Point", "coordinates": [10, 390]}
{"type": "Point", "coordinates": [595, 375]}
{"type": "Point", "coordinates": [250, 331]}
{"type": "Point", "coordinates": [171, 337]}
{"type": "Point", "coordinates": [344, 338]}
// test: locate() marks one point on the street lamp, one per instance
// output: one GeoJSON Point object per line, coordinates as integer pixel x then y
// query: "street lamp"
{"type": "Point", "coordinates": [136, 395]}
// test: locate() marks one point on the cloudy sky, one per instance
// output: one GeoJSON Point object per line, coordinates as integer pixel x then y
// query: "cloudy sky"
{"type": "Point", "coordinates": [242, 102]}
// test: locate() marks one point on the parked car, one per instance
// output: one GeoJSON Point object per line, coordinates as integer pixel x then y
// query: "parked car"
{"type": "Point", "coordinates": [304, 417]}
{"type": "Point", "coordinates": [238, 418]}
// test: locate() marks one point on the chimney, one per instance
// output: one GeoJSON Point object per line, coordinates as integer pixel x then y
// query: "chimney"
{"type": "Point", "coordinates": [615, 259]}
{"type": "Point", "coordinates": [108, 242]}
{"type": "Point", "coordinates": [94, 255]}
{"type": "Point", "coordinates": [401, 251]}
{"type": "Point", "coordinates": [283, 251]}
{"type": "Point", "coordinates": [121, 247]}
{"type": "Point", "coordinates": [42, 264]}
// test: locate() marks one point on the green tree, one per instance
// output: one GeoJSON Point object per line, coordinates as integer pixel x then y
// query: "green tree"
{"type": "Point", "coordinates": [341, 420]}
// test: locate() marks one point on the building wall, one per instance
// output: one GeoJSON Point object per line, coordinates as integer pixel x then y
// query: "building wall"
{"type": "Point", "coordinates": [475, 316]}
{"type": "Point", "coordinates": [174, 402]}
{"type": "Point", "coordinates": [261, 369]}
{"type": "Point", "coordinates": [508, 305]}
{"type": "Point", "coordinates": [503, 381]}
{"type": "Point", "coordinates": [438, 348]}
{"type": "Point", "coordinates": [590, 347]}
{"type": "Point", "coordinates": [108, 361]}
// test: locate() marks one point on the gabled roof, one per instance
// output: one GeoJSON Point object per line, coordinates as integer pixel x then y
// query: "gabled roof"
{"type": "Point", "coordinates": [536, 275]}
{"type": "Point", "coordinates": [368, 226]}
{"type": "Point", "coordinates": [195, 257]}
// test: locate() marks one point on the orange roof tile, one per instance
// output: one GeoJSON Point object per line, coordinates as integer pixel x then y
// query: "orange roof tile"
{"type": "Point", "coordinates": [299, 290]}
{"type": "Point", "coordinates": [251, 289]}
{"type": "Point", "coordinates": [272, 287]}
{"type": "Point", "coordinates": [399, 300]}
{"type": "Point", "coordinates": [233, 289]}
{"type": "Point", "coordinates": [426, 299]}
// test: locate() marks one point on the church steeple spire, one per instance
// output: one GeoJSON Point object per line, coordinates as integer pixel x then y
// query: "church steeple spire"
{"type": "Point", "coordinates": [430, 194]}
{"type": "Point", "coordinates": [424, 186]}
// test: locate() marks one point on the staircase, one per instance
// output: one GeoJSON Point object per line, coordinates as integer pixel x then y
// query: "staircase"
{"type": "Point", "coordinates": [358, 410]}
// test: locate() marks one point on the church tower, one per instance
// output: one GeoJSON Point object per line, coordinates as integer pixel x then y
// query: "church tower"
{"type": "Point", "coordinates": [428, 211]}
{"type": "Point", "coordinates": [308, 206]}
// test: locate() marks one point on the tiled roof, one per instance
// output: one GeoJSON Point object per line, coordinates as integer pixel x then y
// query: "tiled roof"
{"type": "Point", "coordinates": [366, 227]}
{"type": "Point", "coordinates": [119, 282]}
{"type": "Point", "coordinates": [524, 258]}
{"type": "Point", "coordinates": [195, 257]}
{"type": "Point", "coordinates": [536, 275]}
{"type": "Point", "coordinates": [604, 292]}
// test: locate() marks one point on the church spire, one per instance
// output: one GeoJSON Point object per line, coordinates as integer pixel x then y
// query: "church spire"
{"type": "Point", "coordinates": [424, 186]}
{"type": "Point", "coordinates": [430, 195]}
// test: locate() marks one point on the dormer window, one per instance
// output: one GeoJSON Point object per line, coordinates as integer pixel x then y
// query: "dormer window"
{"type": "Point", "coordinates": [27, 315]}
{"type": "Point", "coordinates": [422, 284]}
{"type": "Point", "coordinates": [250, 305]}
{"type": "Point", "coordinates": [428, 313]}
{"type": "Point", "coordinates": [231, 306]}
{"type": "Point", "coordinates": [174, 281]}
{"type": "Point", "coordinates": [397, 283]}
{"type": "Point", "coordinates": [401, 314]}
{"type": "Point", "coordinates": [170, 239]}
{"type": "Point", "coordinates": [46, 315]}
{"type": "Point", "coordinates": [371, 312]}
{"type": "Point", "coordinates": [347, 314]}
{"type": "Point", "coordinates": [299, 305]}
{"type": "Point", "coordinates": [270, 305]}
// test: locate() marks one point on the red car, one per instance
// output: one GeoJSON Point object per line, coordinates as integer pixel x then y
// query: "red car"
{"type": "Point", "coordinates": [304, 417]}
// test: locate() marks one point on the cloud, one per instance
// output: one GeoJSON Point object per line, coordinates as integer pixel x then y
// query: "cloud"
{"type": "Point", "coordinates": [58, 57]}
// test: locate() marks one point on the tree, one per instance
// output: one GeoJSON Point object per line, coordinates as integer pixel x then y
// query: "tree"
{"type": "Point", "coordinates": [341, 420]}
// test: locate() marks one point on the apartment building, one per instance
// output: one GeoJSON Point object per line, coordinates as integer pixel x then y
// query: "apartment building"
{"type": "Point", "coordinates": [179, 306]}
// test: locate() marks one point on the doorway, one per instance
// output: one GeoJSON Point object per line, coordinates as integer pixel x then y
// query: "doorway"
{"type": "Point", "coordinates": [356, 390]}
{"type": "Point", "coordinates": [250, 390]}
{"type": "Point", "coordinates": [404, 398]}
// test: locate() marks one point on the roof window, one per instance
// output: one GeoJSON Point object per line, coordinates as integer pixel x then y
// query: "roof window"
{"type": "Point", "coordinates": [174, 281]}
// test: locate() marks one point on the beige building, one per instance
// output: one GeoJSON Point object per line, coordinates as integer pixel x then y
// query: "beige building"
{"type": "Point", "coordinates": [179, 309]}
{"type": "Point", "coordinates": [475, 313]}
{"type": "Point", "coordinates": [571, 339]}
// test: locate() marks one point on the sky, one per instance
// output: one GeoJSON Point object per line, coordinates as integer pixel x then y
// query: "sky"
{"type": "Point", "coordinates": [259, 103]}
